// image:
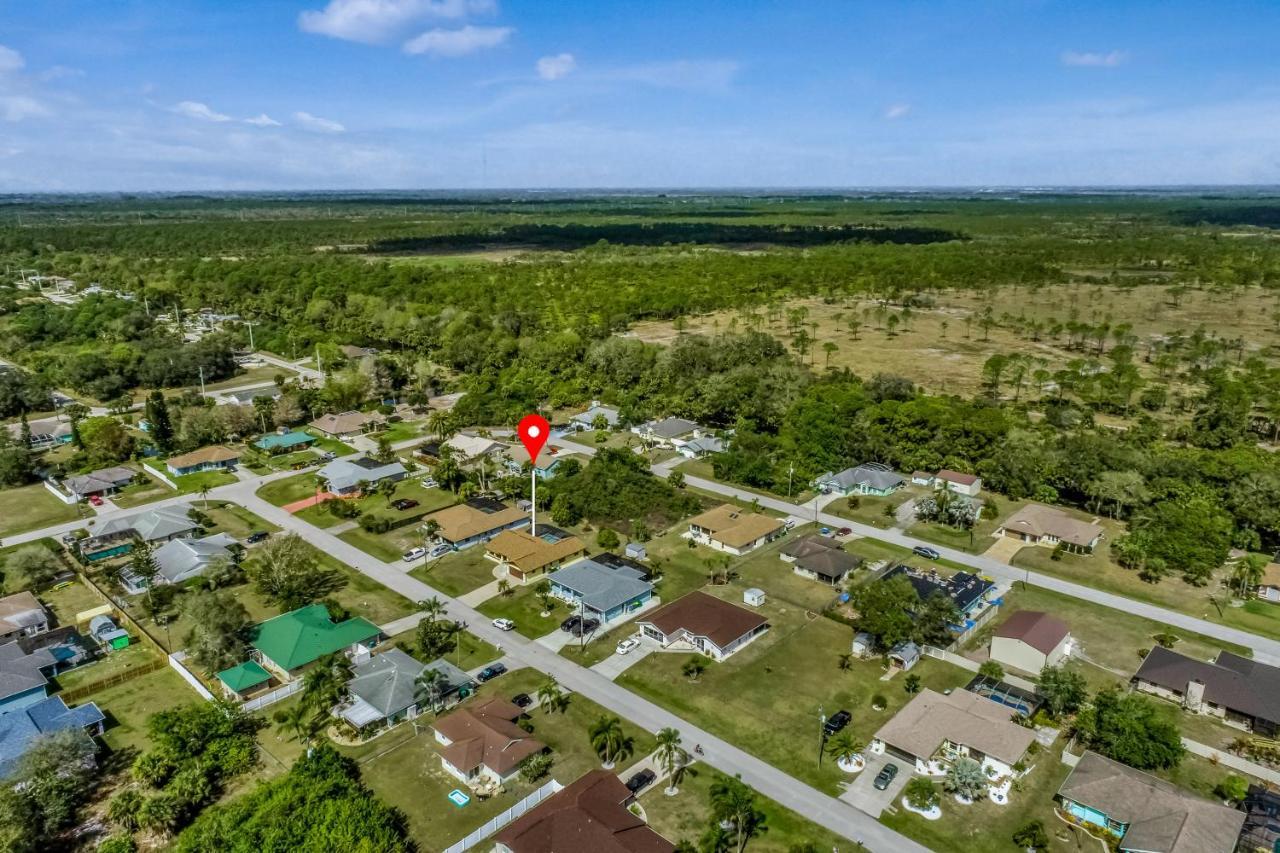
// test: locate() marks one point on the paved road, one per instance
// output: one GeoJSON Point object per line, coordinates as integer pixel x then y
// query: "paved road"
{"type": "Point", "coordinates": [296, 366]}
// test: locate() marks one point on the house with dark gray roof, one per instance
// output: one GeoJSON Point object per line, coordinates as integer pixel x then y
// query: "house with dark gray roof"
{"type": "Point", "coordinates": [181, 559]}
{"type": "Point", "coordinates": [384, 689]}
{"type": "Point", "coordinates": [603, 592]}
{"type": "Point", "coordinates": [668, 432]}
{"type": "Point", "coordinates": [587, 420]}
{"type": "Point", "coordinates": [819, 558]}
{"type": "Point", "coordinates": [1243, 692]}
{"type": "Point", "coordinates": [870, 478]}
{"type": "Point", "coordinates": [115, 537]}
{"type": "Point", "coordinates": [104, 481]}
{"type": "Point", "coordinates": [345, 476]}
{"type": "Point", "coordinates": [1146, 814]}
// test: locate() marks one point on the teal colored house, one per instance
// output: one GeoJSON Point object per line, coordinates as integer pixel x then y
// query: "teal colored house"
{"type": "Point", "coordinates": [600, 591]}
{"type": "Point", "coordinates": [284, 442]}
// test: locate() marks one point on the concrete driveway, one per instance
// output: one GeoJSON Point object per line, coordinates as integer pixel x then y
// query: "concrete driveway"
{"type": "Point", "coordinates": [1004, 548]}
{"type": "Point", "coordinates": [616, 664]}
{"type": "Point", "coordinates": [861, 793]}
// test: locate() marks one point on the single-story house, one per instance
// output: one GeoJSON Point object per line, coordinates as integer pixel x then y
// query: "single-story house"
{"type": "Point", "coordinates": [384, 689]}
{"type": "Point", "coordinates": [104, 481]}
{"type": "Point", "coordinates": [544, 467]}
{"type": "Point", "coordinates": [972, 595]}
{"type": "Point", "coordinates": [1037, 524]}
{"type": "Point", "coordinates": [245, 396]}
{"type": "Point", "coordinates": [476, 520]}
{"type": "Point", "coordinates": [284, 442]}
{"type": "Point", "coordinates": [20, 728]}
{"type": "Point", "coordinates": [181, 559]}
{"type": "Point", "coordinates": [1146, 814]}
{"type": "Point", "coordinates": [292, 641]}
{"type": "Point", "coordinates": [734, 530]}
{"type": "Point", "coordinates": [214, 458]}
{"type": "Point", "coordinates": [591, 814]}
{"type": "Point", "coordinates": [1244, 693]}
{"type": "Point", "coordinates": [604, 592]}
{"type": "Point", "coordinates": [472, 448]}
{"type": "Point", "coordinates": [668, 432]}
{"type": "Point", "coordinates": [612, 561]}
{"type": "Point", "coordinates": [1268, 588]}
{"type": "Point", "coordinates": [870, 478]}
{"type": "Point", "coordinates": [483, 746]}
{"type": "Point", "coordinates": [1030, 640]}
{"type": "Point", "coordinates": [587, 420]}
{"type": "Point", "coordinates": [347, 424]}
{"type": "Point", "coordinates": [45, 432]}
{"type": "Point", "coordinates": [115, 537]}
{"type": "Point", "coordinates": [525, 555]}
{"type": "Point", "coordinates": [22, 615]}
{"type": "Point", "coordinates": [960, 483]}
{"type": "Point", "coordinates": [819, 558]}
{"type": "Point", "coordinates": [703, 622]}
{"type": "Point", "coordinates": [349, 475]}
{"type": "Point", "coordinates": [921, 478]}
{"type": "Point", "coordinates": [703, 445]}
{"type": "Point", "coordinates": [24, 674]}
{"type": "Point", "coordinates": [934, 729]}
{"type": "Point", "coordinates": [245, 679]}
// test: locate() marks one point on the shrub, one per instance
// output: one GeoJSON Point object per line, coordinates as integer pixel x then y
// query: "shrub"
{"type": "Point", "coordinates": [921, 793]}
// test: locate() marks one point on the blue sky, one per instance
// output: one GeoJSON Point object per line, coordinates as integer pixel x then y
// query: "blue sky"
{"type": "Point", "coordinates": [367, 94]}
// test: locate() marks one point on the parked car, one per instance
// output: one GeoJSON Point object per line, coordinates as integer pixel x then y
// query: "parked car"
{"type": "Point", "coordinates": [491, 672]}
{"type": "Point", "coordinates": [95, 500]}
{"type": "Point", "coordinates": [503, 624]}
{"type": "Point", "coordinates": [404, 503]}
{"type": "Point", "coordinates": [414, 554]}
{"type": "Point", "coordinates": [836, 722]}
{"type": "Point", "coordinates": [570, 623]}
{"type": "Point", "coordinates": [788, 524]}
{"type": "Point", "coordinates": [628, 645]}
{"type": "Point", "coordinates": [844, 531]}
{"type": "Point", "coordinates": [441, 550]}
{"type": "Point", "coordinates": [586, 626]}
{"type": "Point", "coordinates": [926, 552]}
{"type": "Point", "coordinates": [328, 456]}
{"type": "Point", "coordinates": [826, 531]}
{"type": "Point", "coordinates": [641, 780]}
{"type": "Point", "coordinates": [429, 482]}
{"type": "Point", "coordinates": [256, 536]}
{"type": "Point", "coordinates": [521, 700]}
{"type": "Point", "coordinates": [885, 777]}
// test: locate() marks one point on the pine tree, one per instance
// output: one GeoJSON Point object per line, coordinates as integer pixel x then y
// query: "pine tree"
{"type": "Point", "coordinates": [161, 427]}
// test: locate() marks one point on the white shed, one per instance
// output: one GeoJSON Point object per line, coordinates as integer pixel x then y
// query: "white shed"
{"type": "Point", "coordinates": [754, 596]}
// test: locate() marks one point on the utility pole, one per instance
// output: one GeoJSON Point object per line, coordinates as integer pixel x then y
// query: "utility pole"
{"type": "Point", "coordinates": [791, 470]}
{"type": "Point", "coordinates": [252, 348]}
{"type": "Point", "coordinates": [202, 380]}
{"type": "Point", "coordinates": [822, 733]}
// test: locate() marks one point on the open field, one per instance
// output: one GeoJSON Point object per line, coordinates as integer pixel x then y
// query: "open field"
{"type": "Point", "coordinates": [30, 508]}
{"type": "Point", "coordinates": [289, 489]}
{"type": "Point", "coordinates": [458, 572]}
{"type": "Point", "coordinates": [234, 519]}
{"type": "Point", "coordinates": [194, 484]}
{"type": "Point", "coordinates": [128, 706]}
{"type": "Point", "coordinates": [522, 606]}
{"type": "Point", "coordinates": [252, 376]}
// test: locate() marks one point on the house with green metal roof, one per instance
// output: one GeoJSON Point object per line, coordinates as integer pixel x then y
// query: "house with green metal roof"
{"type": "Point", "coordinates": [284, 442]}
{"type": "Point", "coordinates": [294, 640]}
{"type": "Point", "coordinates": [244, 678]}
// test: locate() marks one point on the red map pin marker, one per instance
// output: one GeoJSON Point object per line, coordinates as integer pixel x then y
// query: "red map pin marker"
{"type": "Point", "coordinates": [534, 432]}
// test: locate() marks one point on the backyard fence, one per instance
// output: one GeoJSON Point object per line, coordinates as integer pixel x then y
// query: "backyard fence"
{"type": "Point", "coordinates": [175, 661]}
{"type": "Point", "coordinates": [159, 476]}
{"type": "Point", "coordinates": [86, 690]}
{"type": "Point", "coordinates": [58, 493]}
{"type": "Point", "coordinates": [973, 666]}
{"type": "Point", "coordinates": [474, 838]}
{"type": "Point", "coordinates": [273, 697]}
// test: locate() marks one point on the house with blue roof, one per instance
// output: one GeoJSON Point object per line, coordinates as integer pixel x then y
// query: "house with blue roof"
{"type": "Point", "coordinates": [21, 728]}
{"type": "Point", "coordinates": [603, 592]}
{"type": "Point", "coordinates": [26, 709]}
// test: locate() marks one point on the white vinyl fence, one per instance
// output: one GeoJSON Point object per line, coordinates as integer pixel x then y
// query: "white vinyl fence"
{"type": "Point", "coordinates": [505, 818]}
{"type": "Point", "coordinates": [175, 661]}
{"type": "Point", "coordinates": [274, 696]}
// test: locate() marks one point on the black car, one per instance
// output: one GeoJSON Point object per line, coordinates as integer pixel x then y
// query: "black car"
{"type": "Point", "coordinates": [491, 672]}
{"type": "Point", "coordinates": [571, 623]}
{"type": "Point", "coordinates": [256, 537]}
{"type": "Point", "coordinates": [586, 626]}
{"type": "Point", "coordinates": [885, 777]}
{"type": "Point", "coordinates": [836, 722]}
{"type": "Point", "coordinates": [521, 700]}
{"type": "Point", "coordinates": [404, 503]}
{"type": "Point", "coordinates": [640, 781]}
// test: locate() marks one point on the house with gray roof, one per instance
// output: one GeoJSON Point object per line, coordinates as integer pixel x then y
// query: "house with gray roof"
{"type": "Point", "coordinates": [819, 558]}
{"type": "Point", "coordinates": [384, 689]}
{"type": "Point", "coordinates": [181, 559]}
{"type": "Point", "coordinates": [603, 592]}
{"type": "Point", "coordinates": [115, 537]}
{"type": "Point", "coordinates": [1146, 814]}
{"type": "Point", "coordinates": [104, 481]}
{"type": "Point", "coordinates": [668, 432]}
{"type": "Point", "coordinates": [703, 445]}
{"type": "Point", "coordinates": [587, 420]}
{"type": "Point", "coordinates": [870, 478]}
{"type": "Point", "coordinates": [1242, 692]}
{"type": "Point", "coordinates": [22, 615]}
{"type": "Point", "coordinates": [346, 475]}
{"type": "Point", "coordinates": [21, 728]}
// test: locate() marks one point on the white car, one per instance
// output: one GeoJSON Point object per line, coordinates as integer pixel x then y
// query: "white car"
{"type": "Point", "coordinates": [429, 483]}
{"type": "Point", "coordinates": [414, 554]}
{"type": "Point", "coordinates": [627, 645]}
{"type": "Point", "coordinates": [503, 624]}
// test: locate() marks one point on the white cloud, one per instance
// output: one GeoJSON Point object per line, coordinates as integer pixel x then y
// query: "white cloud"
{"type": "Point", "coordinates": [1094, 60]}
{"type": "Point", "coordinates": [262, 120]}
{"type": "Point", "coordinates": [712, 75]}
{"type": "Point", "coordinates": [555, 67]}
{"type": "Point", "coordinates": [450, 43]}
{"type": "Point", "coordinates": [18, 107]}
{"type": "Point", "coordinates": [195, 109]}
{"type": "Point", "coordinates": [896, 111]}
{"type": "Point", "coordinates": [10, 59]}
{"type": "Point", "coordinates": [323, 125]}
{"type": "Point", "coordinates": [375, 21]}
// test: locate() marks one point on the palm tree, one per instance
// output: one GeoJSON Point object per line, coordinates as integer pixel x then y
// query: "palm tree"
{"type": "Point", "coordinates": [966, 778]}
{"type": "Point", "coordinates": [844, 747]}
{"type": "Point", "coordinates": [504, 588]}
{"type": "Point", "coordinates": [432, 608]}
{"type": "Point", "coordinates": [297, 722]}
{"type": "Point", "coordinates": [845, 661]}
{"type": "Point", "coordinates": [671, 758]}
{"type": "Point", "coordinates": [431, 528]}
{"type": "Point", "coordinates": [429, 686]}
{"type": "Point", "coordinates": [551, 697]}
{"type": "Point", "coordinates": [609, 741]}
{"type": "Point", "coordinates": [325, 684]}
{"type": "Point", "coordinates": [732, 802]}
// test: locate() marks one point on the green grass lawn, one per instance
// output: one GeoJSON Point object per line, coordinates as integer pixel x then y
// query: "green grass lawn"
{"type": "Point", "coordinates": [289, 489]}
{"type": "Point", "coordinates": [128, 706]}
{"type": "Point", "coordinates": [1098, 571]}
{"type": "Point", "coordinates": [193, 484]}
{"type": "Point", "coordinates": [400, 431]}
{"type": "Point", "coordinates": [235, 520]}
{"type": "Point", "coordinates": [108, 666]}
{"type": "Point", "coordinates": [138, 494]}
{"type": "Point", "coordinates": [459, 572]}
{"type": "Point", "coordinates": [702, 468]}
{"type": "Point", "coordinates": [65, 603]}
{"type": "Point", "coordinates": [287, 461]}
{"type": "Point", "coordinates": [32, 507]}
{"type": "Point", "coordinates": [766, 698]}
{"type": "Point", "coordinates": [978, 539]}
{"type": "Point", "coordinates": [523, 607]}
{"type": "Point", "coordinates": [390, 545]}
{"type": "Point", "coordinates": [329, 445]}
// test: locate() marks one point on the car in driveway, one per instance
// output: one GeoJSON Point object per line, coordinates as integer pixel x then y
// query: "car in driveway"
{"type": "Point", "coordinates": [503, 624]}
{"type": "Point", "coordinates": [441, 550]}
{"type": "Point", "coordinates": [885, 777]}
{"type": "Point", "coordinates": [836, 722]}
{"type": "Point", "coordinates": [489, 673]}
{"type": "Point", "coordinates": [414, 554]}
{"type": "Point", "coordinates": [845, 531]}
{"type": "Point", "coordinates": [926, 552]}
{"type": "Point", "coordinates": [521, 700]}
{"type": "Point", "coordinates": [586, 626]}
{"type": "Point", "coordinates": [256, 536]}
{"type": "Point", "coordinates": [640, 781]}
{"type": "Point", "coordinates": [404, 503]}
{"type": "Point", "coordinates": [429, 483]}
{"type": "Point", "coordinates": [628, 645]}
{"type": "Point", "coordinates": [328, 456]}
{"type": "Point", "coordinates": [788, 524]}
{"type": "Point", "coordinates": [95, 500]}
{"type": "Point", "coordinates": [570, 623]}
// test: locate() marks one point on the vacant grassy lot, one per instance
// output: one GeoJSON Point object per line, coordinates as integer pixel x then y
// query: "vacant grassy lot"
{"type": "Point", "coordinates": [458, 572]}
{"type": "Point", "coordinates": [523, 607]}
{"type": "Point", "coordinates": [978, 539]}
{"type": "Point", "coordinates": [324, 444]}
{"type": "Point", "coordinates": [138, 494]}
{"type": "Point", "coordinates": [128, 706]}
{"type": "Point", "coordinates": [194, 484]}
{"type": "Point", "coordinates": [65, 603]}
{"type": "Point", "coordinates": [871, 509]}
{"type": "Point", "coordinates": [109, 666]}
{"type": "Point", "coordinates": [290, 489]}
{"type": "Point", "coordinates": [766, 698]}
{"type": "Point", "coordinates": [32, 507]}
{"type": "Point", "coordinates": [235, 520]}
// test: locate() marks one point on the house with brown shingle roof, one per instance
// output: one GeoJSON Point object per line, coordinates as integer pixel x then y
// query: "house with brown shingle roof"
{"type": "Point", "coordinates": [958, 482]}
{"type": "Point", "coordinates": [347, 424]}
{"type": "Point", "coordinates": [1030, 640]}
{"type": "Point", "coordinates": [477, 520]}
{"type": "Point", "coordinates": [1037, 524]}
{"type": "Point", "coordinates": [704, 623]}
{"type": "Point", "coordinates": [210, 458]}
{"type": "Point", "coordinates": [525, 555]}
{"type": "Point", "coordinates": [589, 815]}
{"type": "Point", "coordinates": [482, 743]}
{"type": "Point", "coordinates": [819, 558]}
{"type": "Point", "coordinates": [734, 530]}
